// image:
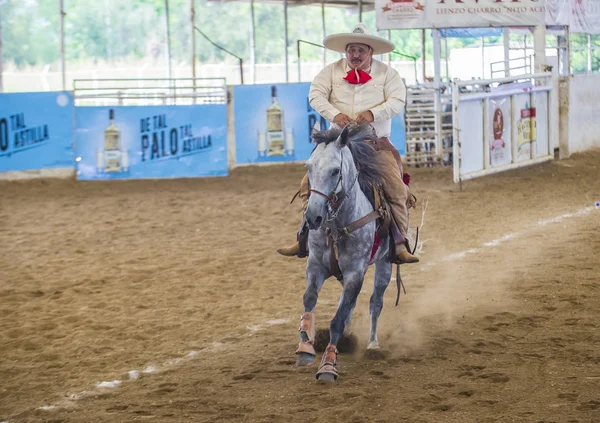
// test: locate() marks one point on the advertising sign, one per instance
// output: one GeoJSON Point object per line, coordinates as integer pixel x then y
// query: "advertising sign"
{"type": "Point", "coordinates": [526, 130]}
{"type": "Point", "coordinates": [136, 142]}
{"type": "Point", "coordinates": [499, 134]}
{"type": "Point", "coordinates": [411, 14]}
{"type": "Point", "coordinates": [36, 131]}
{"type": "Point", "coordinates": [274, 123]}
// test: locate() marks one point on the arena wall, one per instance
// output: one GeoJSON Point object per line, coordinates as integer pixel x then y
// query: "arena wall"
{"type": "Point", "coordinates": [584, 113]}
{"type": "Point", "coordinates": [579, 126]}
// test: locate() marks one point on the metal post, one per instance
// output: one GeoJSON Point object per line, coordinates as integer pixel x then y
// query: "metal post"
{"type": "Point", "coordinates": [285, 36]}
{"type": "Point", "coordinates": [568, 52]}
{"type": "Point", "coordinates": [168, 40]}
{"type": "Point", "coordinates": [107, 9]}
{"type": "Point", "coordinates": [389, 56]}
{"type": "Point", "coordinates": [437, 60]}
{"type": "Point", "coordinates": [1, 86]}
{"type": "Point", "coordinates": [589, 53]}
{"type": "Point", "coordinates": [424, 71]}
{"type": "Point", "coordinates": [360, 9]}
{"type": "Point", "coordinates": [437, 71]}
{"type": "Point", "coordinates": [456, 162]}
{"type": "Point", "coordinates": [506, 42]}
{"type": "Point", "coordinates": [322, 34]}
{"type": "Point", "coordinates": [62, 45]}
{"type": "Point", "coordinates": [539, 49]}
{"type": "Point", "coordinates": [298, 55]}
{"type": "Point", "coordinates": [525, 50]}
{"type": "Point", "coordinates": [252, 42]}
{"type": "Point", "coordinates": [447, 57]}
{"type": "Point", "coordinates": [482, 58]}
{"type": "Point", "coordinates": [193, 22]}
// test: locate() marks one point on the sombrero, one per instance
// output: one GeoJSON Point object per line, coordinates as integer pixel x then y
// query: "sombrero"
{"type": "Point", "coordinates": [360, 34]}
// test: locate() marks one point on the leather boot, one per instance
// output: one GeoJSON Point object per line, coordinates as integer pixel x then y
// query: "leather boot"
{"type": "Point", "coordinates": [300, 248]}
{"type": "Point", "coordinates": [401, 256]}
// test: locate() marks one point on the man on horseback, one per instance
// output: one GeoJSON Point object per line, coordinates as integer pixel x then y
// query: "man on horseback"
{"type": "Point", "coordinates": [360, 90]}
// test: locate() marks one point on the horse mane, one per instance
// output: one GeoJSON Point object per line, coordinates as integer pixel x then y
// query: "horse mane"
{"type": "Point", "coordinates": [363, 153]}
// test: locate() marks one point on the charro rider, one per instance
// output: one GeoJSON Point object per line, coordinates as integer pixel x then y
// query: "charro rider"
{"type": "Point", "coordinates": [360, 89]}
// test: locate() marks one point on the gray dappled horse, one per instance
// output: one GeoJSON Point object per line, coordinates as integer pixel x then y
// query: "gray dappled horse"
{"type": "Point", "coordinates": [340, 215]}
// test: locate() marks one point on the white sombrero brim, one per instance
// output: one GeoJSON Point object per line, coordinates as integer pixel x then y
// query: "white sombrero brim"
{"type": "Point", "coordinates": [338, 42]}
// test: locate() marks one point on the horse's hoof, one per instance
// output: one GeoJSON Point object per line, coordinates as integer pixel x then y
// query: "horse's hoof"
{"type": "Point", "coordinates": [373, 346]}
{"type": "Point", "coordinates": [305, 359]}
{"type": "Point", "coordinates": [326, 377]}
{"type": "Point", "coordinates": [321, 339]}
{"type": "Point", "coordinates": [376, 354]}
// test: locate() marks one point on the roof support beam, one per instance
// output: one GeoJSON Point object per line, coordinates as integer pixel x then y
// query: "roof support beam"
{"type": "Point", "coordinates": [252, 42]}
{"type": "Point", "coordinates": [285, 36]}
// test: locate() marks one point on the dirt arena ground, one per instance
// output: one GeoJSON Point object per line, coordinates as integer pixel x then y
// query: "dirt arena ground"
{"type": "Point", "coordinates": [171, 292]}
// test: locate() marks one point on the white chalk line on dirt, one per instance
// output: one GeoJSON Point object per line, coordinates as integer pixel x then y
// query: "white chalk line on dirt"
{"type": "Point", "coordinates": [134, 375]}
{"type": "Point", "coordinates": [508, 237]}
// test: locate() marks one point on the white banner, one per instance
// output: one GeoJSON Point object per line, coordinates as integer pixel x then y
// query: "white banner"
{"type": "Point", "coordinates": [585, 16]}
{"type": "Point", "coordinates": [407, 14]}
{"type": "Point", "coordinates": [558, 12]}
{"type": "Point", "coordinates": [399, 14]}
{"type": "Point", "coordinates": [581, 15]}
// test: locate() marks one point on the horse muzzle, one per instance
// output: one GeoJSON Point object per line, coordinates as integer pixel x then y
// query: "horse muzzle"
{"type": "Point", "coordinates": [315, 214]}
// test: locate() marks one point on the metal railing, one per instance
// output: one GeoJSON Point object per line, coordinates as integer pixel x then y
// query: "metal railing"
{"type": "Point", "coordinates": [298, 54]}
{"type": "Point", "coordinates": [508, 70]}
{"type": "Point", "coordinates": [240, 60]}
{"type": "Point", "coordinates": [474, 137]}
{"type": "Point", "coordinates": [144, 92]}
{"type": "Point", "coordinates": [428, 123]}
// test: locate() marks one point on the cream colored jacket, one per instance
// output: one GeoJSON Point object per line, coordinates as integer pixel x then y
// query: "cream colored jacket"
{"type": "Point", "coordinates": [384, 95]}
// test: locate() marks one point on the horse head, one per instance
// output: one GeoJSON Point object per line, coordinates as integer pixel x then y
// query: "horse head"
{"type": "Point", "coordinates": [330, 167]}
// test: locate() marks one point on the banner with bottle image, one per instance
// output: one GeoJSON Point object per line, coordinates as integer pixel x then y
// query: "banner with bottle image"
{"type": "Point", "coordinates": [499, 131]}
{"type": "Point", "coordinates": [138, 142]}
{"type": "Point", "coordinates": [273, 123]}
{"type": "Point", "coordinates": [36, 131]}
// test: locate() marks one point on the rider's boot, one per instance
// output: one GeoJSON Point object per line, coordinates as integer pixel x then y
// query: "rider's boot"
{"type": "Point", "coordinates": [402, 255]}
{"type": "Point", "coordinates": [300, 248]}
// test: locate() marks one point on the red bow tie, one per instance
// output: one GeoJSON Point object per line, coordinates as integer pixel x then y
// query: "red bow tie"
{"type": "Point", "coordinates": [362, 77]}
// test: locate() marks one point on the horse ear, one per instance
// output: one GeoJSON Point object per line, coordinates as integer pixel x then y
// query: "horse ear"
{"type": "Point", "coordinates": [316, 127]}
{"type": "Point", "coordinates": [344, 137]}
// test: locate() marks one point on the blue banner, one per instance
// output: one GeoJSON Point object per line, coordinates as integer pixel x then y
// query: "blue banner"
{"type": "Point", "coordinates": [137, 142]}
{"type": "Point", "coordinates": [36, 131]}
{"type": "Point", "coordinates": [273, 123]}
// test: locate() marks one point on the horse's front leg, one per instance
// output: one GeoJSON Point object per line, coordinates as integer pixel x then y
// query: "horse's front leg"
{"type": "Point", "coordinates": [352, 285]}
{"type": "Point", "coordinates": [383, 274]}
{"type": "Point", "coordinates": [315, 277]}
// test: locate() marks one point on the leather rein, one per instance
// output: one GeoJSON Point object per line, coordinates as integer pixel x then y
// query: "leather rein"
{"type": "Point", "coordinates": [335, 200]}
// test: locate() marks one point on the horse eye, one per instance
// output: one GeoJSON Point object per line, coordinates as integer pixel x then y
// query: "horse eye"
{"type": "Point", "coordinates": [335, 172]}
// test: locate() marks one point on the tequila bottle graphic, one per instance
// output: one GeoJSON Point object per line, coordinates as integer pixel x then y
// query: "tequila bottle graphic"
{"type": "Point", "coordinates": [112, 159]}
{"type": "Point", "coordinates": [275, 127]}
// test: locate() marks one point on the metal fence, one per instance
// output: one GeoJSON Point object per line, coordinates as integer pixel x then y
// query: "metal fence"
{"type": "Point", "coordinates": [145, 92]}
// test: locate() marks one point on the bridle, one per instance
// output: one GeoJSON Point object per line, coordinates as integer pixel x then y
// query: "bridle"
{"type": "Point", "coordinates": [336, 198]}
